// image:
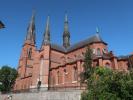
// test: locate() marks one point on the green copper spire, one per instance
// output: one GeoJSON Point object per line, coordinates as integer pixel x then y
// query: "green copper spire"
{"type": "Point", "coordinates": [66, 33]}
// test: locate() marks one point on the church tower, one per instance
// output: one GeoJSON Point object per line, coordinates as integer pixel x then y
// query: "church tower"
{"type": "Point", "coordinates": [29, 48]}
{"type": "Point", "coordinates": [45, 58]}
{"type": "Point", "coordinates": [27, 56]}
{"type": "Point", "coordinates": [66, 34]}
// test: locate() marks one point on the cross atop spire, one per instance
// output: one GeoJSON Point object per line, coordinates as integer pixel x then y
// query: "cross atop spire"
{"type": "Point", "coordinates": [30, 37]}
{"type": "Point", "coordinates": [46, 39]}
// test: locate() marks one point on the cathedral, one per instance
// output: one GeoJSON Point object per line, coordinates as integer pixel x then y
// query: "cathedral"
{"type": "Point", "coordinates": [59, 66]}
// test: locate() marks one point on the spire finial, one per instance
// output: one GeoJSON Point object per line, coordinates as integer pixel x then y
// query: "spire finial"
{"type": "Point", "coordinates": [66, 17]}
{"type": "Point", "coordinates": [32, 17]}
{"type": "Point", "coordinates": [47, 24]}
{"type": "Point", "coordinates": [97, 29]}
{"type": "Point", "coordinates": [66, 22]}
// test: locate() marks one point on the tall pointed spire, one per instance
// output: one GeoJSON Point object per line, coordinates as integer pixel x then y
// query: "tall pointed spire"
{"type": "Point", "coordinates": [66, 33]}
{"type": "Point", "coordinates": [30, 37]}
{"type": "Point", "coordinates": [46, 39]}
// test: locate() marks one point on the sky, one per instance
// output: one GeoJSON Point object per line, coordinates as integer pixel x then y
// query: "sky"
{"type": "Point", "coordinates": [113, 17]}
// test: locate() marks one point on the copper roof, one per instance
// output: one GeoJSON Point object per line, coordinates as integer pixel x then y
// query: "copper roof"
{"type": "Point", "coordinates": [94, 39]}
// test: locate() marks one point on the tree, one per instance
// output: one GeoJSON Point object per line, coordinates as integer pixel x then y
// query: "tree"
{"type": "Point", "coordinates": [106, 84]}
{"type": "Point", "coordinates": [87, 65]}
{"type": "Point", "coordinates": [8, 76]}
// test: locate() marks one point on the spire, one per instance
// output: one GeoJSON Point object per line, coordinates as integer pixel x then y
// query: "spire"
{"type": "Point", "coordinates": [46, 39]}
{"type": "Point", "coordinates": [98, 37]}
{"type": "Point", "coordinates": [66, 23]}
{"type": "Point", "coordinates": [66, 33]}
{"type": "Point", "coordinates": [30, 37]}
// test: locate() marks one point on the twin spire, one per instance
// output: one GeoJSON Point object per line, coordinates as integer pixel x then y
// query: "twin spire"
{"type": "Point", "coordinates": [31, 35]}
{"type": "Point", "coordinates": [66, 34]}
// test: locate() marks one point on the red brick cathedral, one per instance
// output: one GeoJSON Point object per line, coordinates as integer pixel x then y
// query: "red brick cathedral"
{"type": "Point", "coordinates": [60, 66]}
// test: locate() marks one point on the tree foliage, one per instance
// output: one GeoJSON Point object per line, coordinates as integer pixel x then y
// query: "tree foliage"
{"type": "Point", "coordinates": [8, 76]}
{"type": "Point", "coordinates": [87, 65]}
{"type": "Point", "coordinates": [104, 83]}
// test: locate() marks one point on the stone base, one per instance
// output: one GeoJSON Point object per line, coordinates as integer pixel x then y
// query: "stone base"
{"type": "Point", "coordinates": [40, 89]}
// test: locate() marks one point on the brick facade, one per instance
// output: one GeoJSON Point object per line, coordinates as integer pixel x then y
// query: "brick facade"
{"type": "Point", "coordinates": [58, 66]}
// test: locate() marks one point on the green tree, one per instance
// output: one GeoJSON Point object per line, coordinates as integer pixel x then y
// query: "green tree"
{"type": "Point", "coordinates": [87, 65]}
{"type": "Point", "coordinates": [106, 84]}
{"type": "Point", "coordinates": [8, 76]}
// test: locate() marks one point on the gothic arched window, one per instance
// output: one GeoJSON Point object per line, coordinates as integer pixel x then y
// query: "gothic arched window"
{"type": "Point", "coordinates": [64, 75]}
{"type": "Point", "coordinates": [93, 51]}
{"type": "Point", "coordinates": [41, 68]}
{"type": "Point", "coordinates": [98, 52]}
{"type": "Point", "coordinates": [107, 65]}
{"type": "Point", "coordinates": [75, 74]}
{"type": "Point", "coordinates": [58, 75]}
{"type": "Point", "coordinates": [29, 53]}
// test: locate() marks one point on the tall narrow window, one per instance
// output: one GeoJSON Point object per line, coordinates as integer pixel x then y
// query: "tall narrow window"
{"type": "Point", "coordinates": [41, 68]}
{"type": "Point", "coordinates": [57, 81]}
{"type": "Point", "coordinates": [98, 52]}
{"type": "Point", "coordinates": [29, 53]}
{"type": "Point", "coordinates": [75, 74]}
{"type": "Point", "coordinates": [93, 51]}
{"type": "Point", "coordinates": [63, 76]}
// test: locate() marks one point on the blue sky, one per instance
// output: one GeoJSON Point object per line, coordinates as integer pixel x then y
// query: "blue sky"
{"type": "Point", "coordinates": [114, 18]}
